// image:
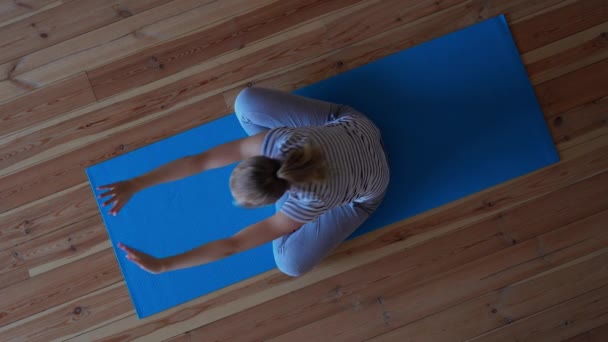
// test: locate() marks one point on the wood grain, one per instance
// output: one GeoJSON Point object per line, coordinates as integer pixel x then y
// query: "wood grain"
{"type": "Point", "coordinates": [599, 334]}
{"type": "Point", "coordinates": [574, 89]}
{"type": "Point", "coordinates": [270, 54]}
{"type": "Point", "coordinates": [46, 103]}
{"type": "Point", "coordinates": [509, 304]}
{"type": "Point", "coordinates": [558, 23]}
{"type": "Point", "coordinates": [113, 41]}
{"type": "Point", "coordinates": [137, 108]}
{"type": "Point", "coordinates": [503, 246]}
{"type": "Point", "coordinates": [441, 254]}
{"type": "Point", "coordinates": [103, 35]}
{"type": "Point", "coordinates": [67, 170]}
{"type": "Point", "coordinates": [275, 53]}
{"type": "Point", "coordinates": [11, 11]}
{"type": "Point", "coordinates": [188, 87]}
{"type": "Point", "coordinates": [393, 40]}
{"type": "Point", "coordinates": [73, 317]}
{"type": "Point", "coordinates": [565, 320]}
{"type": "Point", "coordinates": [400, 300]}
{"type": "Point", "coordinates": [179, 54]}
{"type": "Point", "coordinates": [372, 247]}
{"type": "Point", "coordinates": [64, 22]}
{"type": "Point", "coordinates": [13, 277]}
{"type": "Point", "coordinates": [47, 215]}
{"type": "Point", "coordinates": [567, 55]}
{"type": "Point", "coordinates": [588, 118]}
{"type": "Point", "coordinates": [47, 290]}
{"type": "Point", "coordinates": [54, 250]}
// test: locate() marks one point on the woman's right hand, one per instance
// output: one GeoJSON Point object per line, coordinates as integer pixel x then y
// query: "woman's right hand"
{"type": "Point", "coordinates": [120, 193]}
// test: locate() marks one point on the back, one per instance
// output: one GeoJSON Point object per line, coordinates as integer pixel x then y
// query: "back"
{"type": "Point", "coordinates": [354, 156]}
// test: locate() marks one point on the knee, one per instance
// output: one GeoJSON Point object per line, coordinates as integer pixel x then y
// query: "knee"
{"type": "Point", "coordinates": [246, 102]}
{"type": "Point", "coordinates": [292, 267]}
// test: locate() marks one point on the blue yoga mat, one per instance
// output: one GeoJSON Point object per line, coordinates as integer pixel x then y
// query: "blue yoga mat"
{"type": "Point", "coordinates": [458, 115]}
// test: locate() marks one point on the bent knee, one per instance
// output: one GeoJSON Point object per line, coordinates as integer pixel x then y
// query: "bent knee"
{"type": "Point", "coordinates": [247, 101]}
{"type": "Point", "coordinates": [293, 267]}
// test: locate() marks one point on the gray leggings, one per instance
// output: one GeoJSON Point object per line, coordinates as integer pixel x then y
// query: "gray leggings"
{"type": "Point", "coordinates": [260, 109]}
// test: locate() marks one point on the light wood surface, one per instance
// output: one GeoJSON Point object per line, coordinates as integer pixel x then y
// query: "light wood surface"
{"type": "Point", "coordinates": [85, 81]}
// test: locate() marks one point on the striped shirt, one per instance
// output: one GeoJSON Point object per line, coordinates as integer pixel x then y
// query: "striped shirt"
{"type": "Point", "coordinates": [354, 156]}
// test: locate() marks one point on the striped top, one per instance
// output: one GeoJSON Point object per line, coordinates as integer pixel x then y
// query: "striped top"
{"type": "Point", "coordinates": [354, 156]}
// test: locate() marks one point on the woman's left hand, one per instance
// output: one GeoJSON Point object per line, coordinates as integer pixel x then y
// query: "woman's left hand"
{"type": "Point", "coordinates": [143, 260]}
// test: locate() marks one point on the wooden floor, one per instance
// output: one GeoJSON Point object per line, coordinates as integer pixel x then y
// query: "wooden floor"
{"type": "Point", "coordinates": [83, 81]}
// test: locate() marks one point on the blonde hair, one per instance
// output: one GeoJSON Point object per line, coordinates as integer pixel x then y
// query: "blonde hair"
{"type": "Point", "coordinates": [261, 180]}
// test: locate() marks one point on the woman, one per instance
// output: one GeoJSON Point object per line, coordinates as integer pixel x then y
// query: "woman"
{"type": "Point", "coordinates": [322, 164]}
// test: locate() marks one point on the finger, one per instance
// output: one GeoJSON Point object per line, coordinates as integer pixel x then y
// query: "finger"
{"type": "Point", "coordinates": [124, 247]}
{"type": "Point", "coordinates": [119, 206]}
{"type": "Point", "coordinates": [136, 262]}
{"type": "Point", "coordinates": [130, 250]}
{"type": "Point", "coordinates": [139, 263]}
{"type": "Point", "coordinates": [111, 200]}
{"type": "Point", "coordinates": [107, 186]}
{"type": "Point", "coordinates": [135, 256]}
{"type": "Point", "coordinates": [114, 211]}
{"type": "Point", "coordinates": [106, 194]}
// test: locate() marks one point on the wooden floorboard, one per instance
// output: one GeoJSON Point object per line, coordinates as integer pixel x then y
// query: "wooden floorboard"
{"type": "Point", "coordinates": [176, 55]}
{"type": "Point", "coordinates": [63, 22]}
{"type": "Point", "coordinates": [566, 19]}
{"type": "Point", "coordinates": [440, 255]}
{"type": "Point", "coordinates": [598, 334]}
{"type": "Point", "coordinates": [85, 81]}
{"type": "Point", "coordinates": [508, 304]}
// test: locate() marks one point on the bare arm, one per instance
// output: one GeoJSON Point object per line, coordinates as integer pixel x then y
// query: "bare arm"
{"type": "Point", "coordinates": [213, 158]}
{"type": "Point", "coordinates": [250, 237]}
{"type": "Point", "coordinates": [216, 157]}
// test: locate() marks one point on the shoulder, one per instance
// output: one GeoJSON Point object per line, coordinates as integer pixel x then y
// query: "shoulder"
{"type": "Point", "coordinates": [274, 139]}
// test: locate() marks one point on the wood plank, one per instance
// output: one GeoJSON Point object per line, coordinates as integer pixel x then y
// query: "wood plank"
{"type": "Point", "coordinates": [567, 55]}
{"type": "Point", "coordinates": [583, 148]}
{"type": "Point", "coordinates": [563, 321]}
{"type": "Point", "coordinates": [113, 41]}
{"type": "Point", "coordinates": [73, 317]}
{"type": "Point", "coordinates": [50, 289]}
{"type": "Point", "coordinates": [104, 35]}
{"type": "Point", "coordinates": [568, 126]}
{"type": "Point", "coordinates": [13, 277]}
{"type": "Point", "coordinates": [441, 254]}
{"type": "Point", "coordinates": [574, 89]}
{"type": "Point", "coordinates": [46, 215]}
{"type": "Point", "coordinates": [181, 338]}
{"type": "Point", "coordinates": [56, 249]}
{"type": "Point", "coordinates": [391, 41]}
{"type": "Point", "coordinates": [279, 56]}
{"type": "Point", "coordinates": [370, 248]}
{"type": "Point", "coordinates": [599, 334]}
{"type": "Point", "coordinates": [507, 305]}
{"type": "Point", "coordinates": [82, 130]}
{"type": "Point", "coordinates": [10, 261]}
{"type": "Point", "coordinates": [226, 308]}
{"type": "Point", "coordinates": [400, 300]}
{"type": "Point", "coordinates": [209, 12]}
{"type": "Point", "coordinates": [11, 11]}
{"type": "Point", "coordinates": [558, 23]}
{"type": "Point", "coordinates": [129, 112]}
{"type": "Point", "coordinates": [45, 103]}
{"type": "Point", "coordinates": [67, 170]}
{"type": "Point", "coordinates": [64, 22]}
{"type": "Point", "coordinates": [275, 51]}
{"type": "Point", "coordinates": [176, 55]}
